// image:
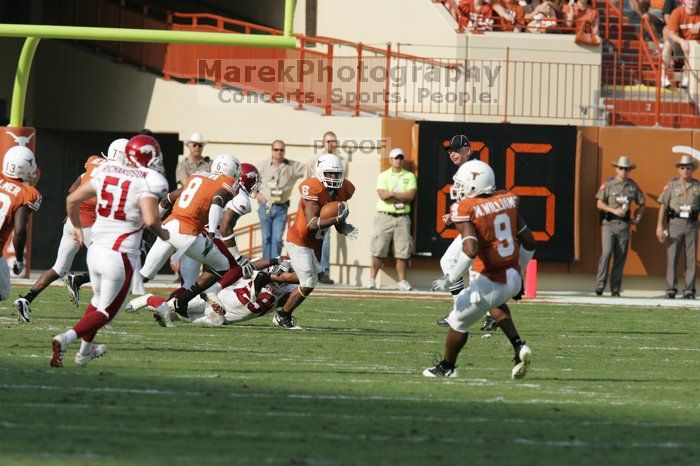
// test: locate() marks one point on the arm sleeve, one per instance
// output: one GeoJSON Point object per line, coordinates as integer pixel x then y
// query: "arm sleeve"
{"type": "Point", "coordinates": [381, 182]}
{"type": "Point", "coordinates": [310, 190]}
{"type": "Point", "coordinates": [461, 211]}
{"type": "Point", "coordinates": [601, 195]}
{"type": "Point", "coordinates": [673, 21]}
{"type": "Point", "coordinates": [665, 196]}
{"type": "Point", "coordinates": [33, 200]}
{"type": "Point", "coordinates": [413, 182]}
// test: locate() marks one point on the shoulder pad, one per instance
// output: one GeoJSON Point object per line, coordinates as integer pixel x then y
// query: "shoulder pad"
{"type": "Point", "coordinates": [311, 188]}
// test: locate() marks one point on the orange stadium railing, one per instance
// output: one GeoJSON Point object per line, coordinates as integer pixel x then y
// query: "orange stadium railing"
{"type": "Point", "coordinates": [251, 231]}
{"type": "Point", "coordinates": [530, 90]}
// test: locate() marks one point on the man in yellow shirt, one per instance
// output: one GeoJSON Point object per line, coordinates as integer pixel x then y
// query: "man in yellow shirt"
{"type": "Point", "coordinates": [397, 189]}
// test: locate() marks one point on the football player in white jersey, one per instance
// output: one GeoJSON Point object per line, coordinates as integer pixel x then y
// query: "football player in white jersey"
{"type": "Point", "coordinates": [127, 201]}
{"type": "Point", "coordinates": [68, 248]}
{"type": "Point", "coordinates": [246, 299]}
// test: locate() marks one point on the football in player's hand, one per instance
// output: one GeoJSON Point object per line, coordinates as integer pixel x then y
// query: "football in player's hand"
{"type": "Point", "coordinates": [332, 209]}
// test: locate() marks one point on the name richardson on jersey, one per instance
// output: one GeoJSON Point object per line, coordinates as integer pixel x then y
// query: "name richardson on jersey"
{"type": "Point", "coordinates": [10, 188]}
{"type": "Point", "coordinates": [489, 207]}
{"type": "Point", "coordinates": [132, 172]}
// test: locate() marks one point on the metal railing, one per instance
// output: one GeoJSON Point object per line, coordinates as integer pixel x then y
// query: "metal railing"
{"type": "Point", "coordinates": [252, 231]}
{"type": "Point", "coordinates": [577, 93]}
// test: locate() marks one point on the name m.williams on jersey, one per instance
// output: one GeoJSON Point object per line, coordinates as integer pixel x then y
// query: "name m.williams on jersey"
{"type": "Point", "coordinates": [485, 208]}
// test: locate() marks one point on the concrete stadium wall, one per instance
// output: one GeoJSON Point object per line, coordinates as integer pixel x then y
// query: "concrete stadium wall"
{"type": "Point", "coordinates": [82, 91]}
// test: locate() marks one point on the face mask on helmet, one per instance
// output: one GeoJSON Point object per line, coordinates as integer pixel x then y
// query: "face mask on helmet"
{"type": "Point", "coordinates": [329, 170]}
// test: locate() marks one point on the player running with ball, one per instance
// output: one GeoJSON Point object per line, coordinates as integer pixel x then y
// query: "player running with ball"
{"type": "Point", "coordinates": [496, 244]}
{"type": "Point", "coordinates": [305, 237]}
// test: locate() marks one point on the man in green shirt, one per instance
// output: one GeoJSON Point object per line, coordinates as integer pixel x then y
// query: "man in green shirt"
{"type": "Point", "coordinates": [396, 188]}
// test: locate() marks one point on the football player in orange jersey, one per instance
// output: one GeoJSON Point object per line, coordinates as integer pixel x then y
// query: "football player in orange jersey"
{"type": "Point", "coordinates": [460, 151]}
{"type": "Point", "coordinates": [68, 248]}
{"type": "Point", "coordinates": [496, 245]}
{"type": "Point", "coordinates": [17, 201]}
{"type": "Point", "coordinates": [305, 236]}
{"type": "Point", "coordinates": [200, 202]}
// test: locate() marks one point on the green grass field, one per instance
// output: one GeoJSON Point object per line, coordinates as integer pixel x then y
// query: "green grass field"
{"type": "Point", "coordinates": [607, 386]}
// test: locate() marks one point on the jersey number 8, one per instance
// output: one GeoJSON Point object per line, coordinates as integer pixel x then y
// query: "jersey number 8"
{"type": "Point", "coordinates": [188, 194]}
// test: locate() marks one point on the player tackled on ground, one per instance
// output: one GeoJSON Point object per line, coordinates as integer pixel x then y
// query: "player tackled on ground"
{"type": "Point", "coordinates": [486, 221]}
{"type": "Point", "coordinates": [17, 201]}
{"type": "Point", "coordinates": [127, 200]}
{"type": "Point", "coordinates": [68, 248]}
{"type": "Point", "coordinates": [305, 237]}
{"type": "Point", "coordinates": [246, 299]}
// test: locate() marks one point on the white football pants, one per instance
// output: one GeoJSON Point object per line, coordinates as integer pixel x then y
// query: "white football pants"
{"type": "Point", "coordinates": [110, 277]}
{"type": "Point", "coordinates": [68, 248]}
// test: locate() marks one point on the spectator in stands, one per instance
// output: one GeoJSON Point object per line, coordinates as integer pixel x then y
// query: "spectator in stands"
{"type": "Point", "coordinates": [476, 15]}
{"type": "Point", "coordinates": [586, 20]}
{"type": "Point", "coordinates": [614, 199]}
{"type": "Point", "coordinates": [330, 146]}
{"type": "Point", "coordinates": [277, 178]}
{"type": "Point", "coordinates": [542, 17]}
{"type": "Point", "coordinates": [392, 224]}
{"type": "Point", "coordinates": [186, 165]}
{"type": "Point", "coordinates": [682, 27]}
{"type": "Point", "coordinates": [511, 16]}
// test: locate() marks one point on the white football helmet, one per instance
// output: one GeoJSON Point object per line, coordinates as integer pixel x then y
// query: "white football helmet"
{"type": "Point", "coordinates": [473, 179]}
{"type": "Point", "coordinates": [117, 151]}
{"type": "Point", "coordinates": [330, 163]}
{"type": "Point", "coordinates": [226, 164]}
{"type": "Point", "coordinates": [19, 163]}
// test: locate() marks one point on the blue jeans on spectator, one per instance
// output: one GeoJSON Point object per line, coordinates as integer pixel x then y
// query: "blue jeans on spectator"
{"type": "Point", "coordinates": [272, 227]}
{"type": "Point", "coordinates": [326, 253]}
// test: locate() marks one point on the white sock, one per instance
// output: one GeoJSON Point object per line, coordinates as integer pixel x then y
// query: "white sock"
{"type": "Point", "coordinates": [214, 289]}
{"type": "Point", "coordinates": [85, 347]}
{"type": "Point", "coordinates": [70, 336]}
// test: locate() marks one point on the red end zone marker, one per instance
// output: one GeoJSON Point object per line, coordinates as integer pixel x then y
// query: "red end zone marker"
{"type": "Point", "coordinates": [531, 279]}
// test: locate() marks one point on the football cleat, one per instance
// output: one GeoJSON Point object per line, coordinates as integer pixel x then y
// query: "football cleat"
{"type": "Point", "coordinates": [443, 322]}
{"type": "Point", "coordinates": [439, 370]}
{"type": "Point", "coordinates": [162, 315]}
{"type": "Point", "coordinates": [95, 352]}
{"type": "Point", "coordinates": [73, 289]}
{"type": "Point", "coordinates": [21, 306]}
{"type": "Point", "coordinates": [58, 347]}
{"type": "Point", "coordinates": [489, 324]}
{"type": "Point", "coordinates": [180, 309]}
{"type": "Point", "coordinates": [285, 321]}
{"type": "Point", "coordinates": [522, 362]}
{"type": "Point", "coordinates": [138, 303]}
